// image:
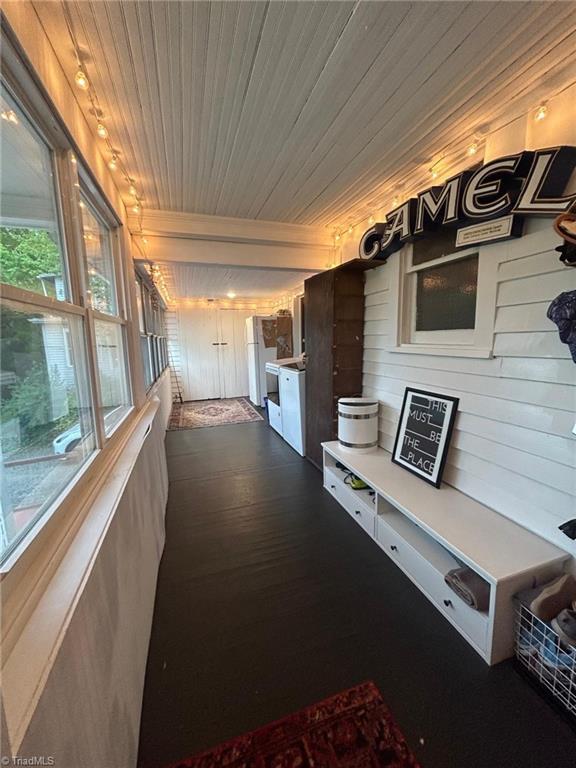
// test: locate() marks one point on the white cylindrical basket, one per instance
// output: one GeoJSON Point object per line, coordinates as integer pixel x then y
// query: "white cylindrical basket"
{"type": "Point", "coordinates": [358, 424]}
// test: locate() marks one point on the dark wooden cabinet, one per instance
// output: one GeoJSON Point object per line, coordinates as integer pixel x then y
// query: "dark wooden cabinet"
{"type": "Point", "coordinates": [334, 302]}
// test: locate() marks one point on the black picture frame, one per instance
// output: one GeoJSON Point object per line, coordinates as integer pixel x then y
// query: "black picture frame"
{"type": "Point", "coordinates": [431, 423]}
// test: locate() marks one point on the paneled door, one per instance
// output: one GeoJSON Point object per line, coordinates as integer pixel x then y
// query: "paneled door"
{"type": "Point", "coordinates": [213, 352]}
{"type": "Point", "coordinates": [233, 352]}
{"type": "Point", "coordinates": [199, 356]}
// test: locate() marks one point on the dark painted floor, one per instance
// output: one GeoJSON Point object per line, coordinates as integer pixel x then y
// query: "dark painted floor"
{"type": "Point", "coordinates": [270, 597]}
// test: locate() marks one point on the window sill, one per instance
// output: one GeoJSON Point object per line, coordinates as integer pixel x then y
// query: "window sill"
{"type": "Point", "coordinates": [447, 351]}
{"type": "Point", "coordinates": [49, 602]}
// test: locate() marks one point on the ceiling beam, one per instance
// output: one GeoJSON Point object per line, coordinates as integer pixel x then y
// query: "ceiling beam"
{"type": "Point", "coordinates": [227, 229]}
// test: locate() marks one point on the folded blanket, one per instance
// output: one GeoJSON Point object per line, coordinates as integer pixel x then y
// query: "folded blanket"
{"type": "Point", "coordinates": [470, 587]}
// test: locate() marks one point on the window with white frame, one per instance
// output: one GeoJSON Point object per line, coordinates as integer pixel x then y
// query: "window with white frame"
{"type": "Point", "coordinates": [64, 383]}
{"type": "Point", "coordinates": [153, 343]}
{"type": "Point", "coordinates": [447, 301]}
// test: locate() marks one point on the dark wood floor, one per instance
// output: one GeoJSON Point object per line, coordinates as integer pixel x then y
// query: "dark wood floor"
{"type": "Point", "coordinates": [271, 597]}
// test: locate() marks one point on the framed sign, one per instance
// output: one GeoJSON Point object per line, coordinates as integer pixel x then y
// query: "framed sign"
{"type": "Point", "coordinates": [424, 431]}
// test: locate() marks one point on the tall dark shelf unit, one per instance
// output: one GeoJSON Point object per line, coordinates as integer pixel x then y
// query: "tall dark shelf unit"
{"type": "Point", "coordinates": [334, 302]}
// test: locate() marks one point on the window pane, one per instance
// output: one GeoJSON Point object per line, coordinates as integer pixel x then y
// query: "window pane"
{"type": "Point", "coordinates": [100, 263]}
{"type": "Point", "coordinates": [446, 296]}
{"type": "Point", "coordinates": [46, 427]}
{"type": "Point", "coordinates": [139, 306]}
{"type": "Point", "coordinates": [145, 353]}
{"type": "Point", "coordinates": [115, 398]}
{"type": "Point", "coordinates": [31, 254]}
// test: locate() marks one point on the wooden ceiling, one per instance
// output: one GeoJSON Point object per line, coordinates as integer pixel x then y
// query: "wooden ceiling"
{"type": "Point", "coordinates": [306, 112]}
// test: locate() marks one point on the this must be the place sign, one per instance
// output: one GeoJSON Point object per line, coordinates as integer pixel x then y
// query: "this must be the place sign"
{"type": "Point", "coordinates": [424, 430]}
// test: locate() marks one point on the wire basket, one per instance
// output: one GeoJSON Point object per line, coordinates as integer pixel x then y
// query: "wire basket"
{"type": "Point", "coordinates": [540, 650]}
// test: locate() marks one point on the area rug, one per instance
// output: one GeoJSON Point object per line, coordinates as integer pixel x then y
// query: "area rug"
{"type": "Point", "coordinates": [353, 729]}
{"type": "Point", "coordinates": [212, 413]}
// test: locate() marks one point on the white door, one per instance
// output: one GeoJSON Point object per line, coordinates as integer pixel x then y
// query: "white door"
{"type": "Point", "coordinates": [199, 341]}
{"type": "Point", "coordinates": [233, 353]}
{"type": "Point", "coordinates": [213, 352]}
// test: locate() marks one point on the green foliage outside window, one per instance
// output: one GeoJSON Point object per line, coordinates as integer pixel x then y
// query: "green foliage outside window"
{"type": "Point", "coordinates": [25, 254]}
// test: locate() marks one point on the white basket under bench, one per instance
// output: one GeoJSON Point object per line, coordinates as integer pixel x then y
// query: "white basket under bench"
{"type": "Point", "coordinates": [428, 531]}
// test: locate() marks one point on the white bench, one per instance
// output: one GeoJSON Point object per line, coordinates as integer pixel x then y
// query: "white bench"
{"type": "Point", "coordinates": [428, 531]}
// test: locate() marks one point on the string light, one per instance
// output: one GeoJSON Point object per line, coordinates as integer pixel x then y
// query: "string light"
{"type": "Point", "coordinates": [10, 116]}
{"type": "Point", "coordinates": [102, 131]}
{"type": "Point", "coordinates": [473, 148]}
{"type": "Point", "coordinates": [337, 236]}
{"type": "Point", "coordinates": [371, 220]}
{"type": "Point", "coordinates": [351, 228]}
{"type": "Point", "coordinates": [231, 295]}
{"type": "Point", "coordinates": [81, 80]}
{"type": "Point", "coordinates": [395, 201]}
{"type": "Point", "coordinates": [133, 191]}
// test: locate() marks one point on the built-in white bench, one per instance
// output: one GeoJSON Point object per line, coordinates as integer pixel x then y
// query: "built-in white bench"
{"type": "Point", "coordinates": [428, 531]}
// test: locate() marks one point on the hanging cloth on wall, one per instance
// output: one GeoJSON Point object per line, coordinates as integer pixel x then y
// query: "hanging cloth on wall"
{"type": "Point", "coordinates": [562, 311]}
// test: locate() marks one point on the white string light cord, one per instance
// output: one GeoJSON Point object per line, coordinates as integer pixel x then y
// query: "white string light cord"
{"type": "Point", "coordinates": [400, 193]}
{"type": "Point", "coordinates": [84, 83]}
{"type": "Point", "coordinates": [115, 162]}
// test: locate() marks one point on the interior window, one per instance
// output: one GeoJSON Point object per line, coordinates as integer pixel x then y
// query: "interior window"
{"type": "Point", "coordinates": [31, 253]}
{"type": "Point", "coordinates": [446, 295]}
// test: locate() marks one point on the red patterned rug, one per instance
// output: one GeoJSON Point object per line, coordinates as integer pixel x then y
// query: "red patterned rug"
{"type": "Point", "coordinates": [212, 413]}
{"type": "Point", "coordinates": [353, 729]}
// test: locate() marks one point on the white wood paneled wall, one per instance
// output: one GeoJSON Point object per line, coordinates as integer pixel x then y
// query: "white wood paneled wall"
{"type": "Point", "coordinates": [513, 448]}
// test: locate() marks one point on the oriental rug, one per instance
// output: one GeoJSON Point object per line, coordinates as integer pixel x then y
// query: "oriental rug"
{"type": "Point", "coordinates": [212, 413]}
{"type": "Point", "coordinates": [353, 729]}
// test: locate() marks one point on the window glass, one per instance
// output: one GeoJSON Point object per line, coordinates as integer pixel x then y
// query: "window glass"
{"type": "Point", "coordinates": [114, 392]}
{"type": "Point", "coordinates": [46, 422]}
{"type": "Point", "coordinates": [446, 296]}
{"type": "Point", "coordinates": [31, 254]}
{"type": "Point", "coordinates": [99, 260]}
{"type": "Point", "coordinates": [139, 306]}
{"type": "Point", "coordinates": [145, 353]}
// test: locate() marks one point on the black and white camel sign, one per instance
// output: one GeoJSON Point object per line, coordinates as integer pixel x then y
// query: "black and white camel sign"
{"type": "Point", "coordinates": [424, 431]}
{"type": "Point", "coordinates": [499, 193]}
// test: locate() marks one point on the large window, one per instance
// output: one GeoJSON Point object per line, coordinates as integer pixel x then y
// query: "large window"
{"type": "Point", "coordinates": [64, 383]}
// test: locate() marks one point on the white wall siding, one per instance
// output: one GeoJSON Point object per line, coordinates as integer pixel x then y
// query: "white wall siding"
{"type": "Point", "coordinates": [513, 448]}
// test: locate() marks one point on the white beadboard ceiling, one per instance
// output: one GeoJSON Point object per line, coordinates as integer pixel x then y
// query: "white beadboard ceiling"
{"type": "Point", "coordinates": [306, 112]}
{"type": "Point", "coordinates": [185, 281]}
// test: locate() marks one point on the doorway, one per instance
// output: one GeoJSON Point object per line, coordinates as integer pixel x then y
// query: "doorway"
{"type": "Point", "coordinates": [213, 352]}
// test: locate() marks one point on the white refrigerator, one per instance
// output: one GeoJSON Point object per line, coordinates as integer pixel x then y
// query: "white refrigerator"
{"type": "Point", "coordinates": [258, 355]}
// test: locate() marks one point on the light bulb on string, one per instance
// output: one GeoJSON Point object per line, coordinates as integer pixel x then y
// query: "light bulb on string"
{"type": "Point", "coordinates": [136, 208]}
{"type": "Point", "coordinates": [102, 131]}
{"type": "Point", "coordinates": [541, 112]}
{"type": "Point", "coordinates": [337, 236]}
{"type": "Point", "coordinates": [472, 149]}
{"type": "Point", "coordinates": [371, 220]}
{"type": "Point", "coordinates": [350, 229]}
{"type": "Point", "coordinates": [133, 191]}
{"type": "Point", "coordinates": [113, 163]}
{"type": "Point", "coordinates": [10, 116]}
{"type": "Point", "coordinates": [395, 201]}
{"type": "Point", "coordinates": [81, 80]}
